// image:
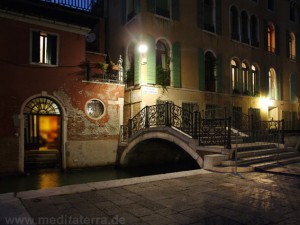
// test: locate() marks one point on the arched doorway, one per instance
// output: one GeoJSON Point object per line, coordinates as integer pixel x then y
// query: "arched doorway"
{"type": "Point", "coordinates": [42, 134]}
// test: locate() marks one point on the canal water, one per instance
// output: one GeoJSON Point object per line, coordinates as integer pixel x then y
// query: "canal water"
{"type": "Point", "coordinates": [42, 179]}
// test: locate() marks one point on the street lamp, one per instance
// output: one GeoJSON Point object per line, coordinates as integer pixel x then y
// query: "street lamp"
{"type": "Point", "coordinates": [143, 48]}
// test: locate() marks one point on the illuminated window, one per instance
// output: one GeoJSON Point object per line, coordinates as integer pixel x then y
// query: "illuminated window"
{"type": "Point", "coordinates": [94, 108]}
{"type": "Point", "coordinates": [162, 63]}
{"type": "Point", "coordinates": [292, 46]}
{"type": "Point", "coordinates": [235, 77]}
{"type": "Point", "coordinates": [244, 27]}
{"type": "Point", "coordinates": [209, 15]}
{"type": "Point", "coordinates": [44, 48]}
{"type": "Point", "coordinates": [245, 78]}
{"type": "Point", "coordinates": [272, 84]}
{"type": "Point", "coordinates": [234, 17]}
{"type": "Point", "coordinates": [254, 90]}
{"type": "Point", "coordinates": [271, 38]}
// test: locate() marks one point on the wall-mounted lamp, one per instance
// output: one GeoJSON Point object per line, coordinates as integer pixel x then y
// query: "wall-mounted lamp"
{"type": "Point", "coordinates": [143, 48]}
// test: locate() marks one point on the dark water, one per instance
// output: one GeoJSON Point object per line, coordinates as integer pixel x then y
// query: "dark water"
{"type": "Point", "coordinates": [53, 178]}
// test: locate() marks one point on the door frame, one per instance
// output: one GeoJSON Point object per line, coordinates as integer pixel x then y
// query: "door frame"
{"type": "Point", "coordinates": [63, 129]}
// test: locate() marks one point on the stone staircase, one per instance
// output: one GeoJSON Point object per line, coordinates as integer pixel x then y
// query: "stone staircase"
{"type": "Point", "coordinates": [247, 157]}
{"type": "Point", "coordinates": [40, 159]}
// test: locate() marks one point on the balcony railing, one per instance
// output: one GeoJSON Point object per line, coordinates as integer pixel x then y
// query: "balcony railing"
{"type": "Point", "coordinates": [86, 5]}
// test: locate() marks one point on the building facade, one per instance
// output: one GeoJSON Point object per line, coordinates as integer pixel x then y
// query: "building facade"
{"type": "Point", "coordinates": [210, 54]}
{"type": "Point", "coordinates": [60, 107]}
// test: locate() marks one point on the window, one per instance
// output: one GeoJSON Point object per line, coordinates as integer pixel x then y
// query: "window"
{"type": "Point", "coordinates": [245, 27]}
{"type": "Point", "coordinates": [235, 77]}
{"type": "Point", "coordinates": [162, 63]}
{"type": "Point", "coordinates": [162, 8]}
{"type": "Point", "coordinates": [130, 70]}
{"type": "Point", "coordinates": [272, 84]}
{"type": "Point", "coordinates": [44, 48]}
{"type": "Point", "coordinates": [245, 78]}
{"type": "Point", "coordinates": [293, 12]}
{"type": "Point", "coordinates": [293, 88]}
{"type": "Point", "coordinates": [210, 72]}
{"type": "Point", "coordinates": [271, 38]}
{"type": "Point", "coordinates": [130, 9]}
{"type": "Point", "coordinates": [271, 5]}
{"type": "Point", "coordinates": [292, 46]}
{"type": "Point", "coordinates": [209, 15]}
{"type": "Point", "coordinates": [234, 17]}
{"type": "Point", "coordinates": [94, 108]}
{"type": "Point", "coordinates": [254, 31]}
{"type": "Point", "coordinates": [254, 90]}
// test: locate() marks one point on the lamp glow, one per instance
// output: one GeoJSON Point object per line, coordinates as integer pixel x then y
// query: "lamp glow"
{"type": "Point", "coordinates": [143, 48]}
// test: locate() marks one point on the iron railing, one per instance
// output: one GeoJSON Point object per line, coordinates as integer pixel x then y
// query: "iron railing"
{"type": "Point", "coordinates": [86, 5]}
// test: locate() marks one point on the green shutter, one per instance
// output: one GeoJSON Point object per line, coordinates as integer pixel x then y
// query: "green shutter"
{"type": "Point", "coordinates": [287, 44]}
{"type": "Point", "coordinates": [218, 17]}
{"type": "Point", "coordinates": [137, 6]}
{"type": "Point", "coordinates": [35, 51]}
{"type": "Point", "coordinates": [267, 82]}
{"type": "Point", "coordinates": [151, 61]}
{"type": "Point", "coordinates": [175, 10]}
{"type": "Point", "coordinates": [219, 74]}
{"type": "Point", "coordinates": [277, 40]}
{"type": "Point", "coordinates": [265, 33]}
{"type": "Point", "coordinates": [51, 49]}
{"type": "Point", "coordinates": [293, 86]}
{"type": "Point", "coordinates": [298, 47]}
{"type": "Point", "coordinates": [124, 11]}
{"type": "Point", "coordinates": [176, 65]}
{"type": "Point", "coordinates": [200, 14]}
{"type": "Point", "coordinates": [151, 6]}
{"type": "Point", "coordinates": [137, 67]}
{"type": "Point", "coordinates": [201, 75]}
{"type": "Point", "coordinates": [278, 85]}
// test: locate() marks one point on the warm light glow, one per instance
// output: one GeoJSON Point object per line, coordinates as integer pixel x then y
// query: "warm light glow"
{"type": "Point", "coordinates": [143, 48]}
{"type": "Point", "coordinates": [264, 103]}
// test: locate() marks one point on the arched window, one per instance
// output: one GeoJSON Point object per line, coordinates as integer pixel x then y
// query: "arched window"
{"type": "Point", "coordinates": [245, 78]}
{"type": "Point", "coordinates": [254, 31]}
{"type": "Point", "coordinates": [245, 27]}
{"type": "Point", "coordinates": [235, 77]}
{"type": "Point", "coordinates": [292, 46]}
{"type": "Point", "coordinates": [272, 84]}
{"type": "Point", "coordinates": [209, 15]}
{"type": "Point", "coordinates": [271, 38]}
{"type": "Point", "coordinates": [162, 63]}
{"type": "Point", "coordinates": [254, 79]}
{"type": "Point", "coordinates": [234, 21]}
{"type": "Point", "coordinates": [210, 72]}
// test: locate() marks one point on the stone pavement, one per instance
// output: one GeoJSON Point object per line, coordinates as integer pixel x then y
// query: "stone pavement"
{"type": "Point", "coordinates": [193, 197]}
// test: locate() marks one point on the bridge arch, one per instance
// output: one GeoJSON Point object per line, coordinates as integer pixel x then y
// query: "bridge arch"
{"type": "Point", "coordinates": [165, 134]}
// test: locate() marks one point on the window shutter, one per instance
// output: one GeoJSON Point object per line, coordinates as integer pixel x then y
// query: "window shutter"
{"type": "Point", "coordinates": [175, 10]}
{"type": "Point", "coordinates": [267, 83]}
{"type": "Point", "coordinates": [218, 17]}
{"type": "Point", "coordinates": [51, 49]}
{"type": "Point", "coordinates": [176, 65]}
{"type": "Point", "coordinates": [201, 75]}
{"type": "Point", "coordinates": [293, 87]}
{"type": "Point", "coordinates": [35, 51]}
{"type": "Point", "coordinates": [277, 40]}
{"type": "Point", "coordinates": [287, 44]}
{"type": "Point", "coordinates": [124, 11]}
{"type": "Point", "coordinates": [200, 14]}
{"type": "Point", "coordinates": [219, 74]}
{"type": "Point", "coordinates": [137, 68]}
{"type": "Point", "coordinates": [265, 33]}
{"type": "Point", "coordinates": [278, 85]}
{"type": "Point", "coordinates": [151, 61]}
{"type": "Point", "coordinates": [298, 48]}
{"type": "Point", "coordinates": [137, 6]}
{"type": "Point", "coordinates": [151, 6]}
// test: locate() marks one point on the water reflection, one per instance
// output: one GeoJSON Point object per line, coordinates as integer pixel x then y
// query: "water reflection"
{"type": "Point", "coordinates": [47, 180]}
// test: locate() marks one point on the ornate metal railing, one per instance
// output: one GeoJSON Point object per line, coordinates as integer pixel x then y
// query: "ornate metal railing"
{"type": "Point", "coordinates": [215, 132]}
{"type": "Point", "coordinates": [86, 5]}
{"type": "Point", "coordinates": [123, 136]}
